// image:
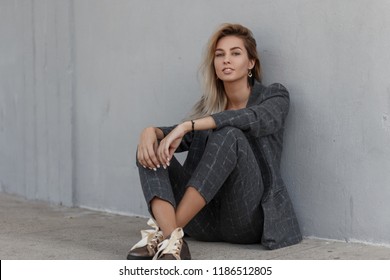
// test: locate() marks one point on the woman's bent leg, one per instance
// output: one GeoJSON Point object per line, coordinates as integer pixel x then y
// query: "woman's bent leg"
{"type": "Point", "coordinates": [229, 179]}
{"type": "Point", "coordinates": [165, 184]}
{"type": "Point", "coordinates": [162, 189]}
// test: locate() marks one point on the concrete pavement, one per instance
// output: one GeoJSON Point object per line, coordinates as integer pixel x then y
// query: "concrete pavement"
{"type": "Point", "coordinates": [37, 230]}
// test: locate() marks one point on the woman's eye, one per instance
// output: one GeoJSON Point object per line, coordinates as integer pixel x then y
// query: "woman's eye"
{"type": "Point", "coordinates": [218, 54]}
{"type": "Point", "coordinates": [236, 53]}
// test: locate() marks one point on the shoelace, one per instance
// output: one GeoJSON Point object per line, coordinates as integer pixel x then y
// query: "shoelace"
{"type": "Point", "coordinates": [155, 241]}
{"type": "Point", "coordinates": [172, 245]}
{"type": "Point", "coordinates": [150, 237]}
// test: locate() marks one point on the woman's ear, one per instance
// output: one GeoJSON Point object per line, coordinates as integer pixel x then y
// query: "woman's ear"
{"type": "Point", "coordinates": [251, 64]}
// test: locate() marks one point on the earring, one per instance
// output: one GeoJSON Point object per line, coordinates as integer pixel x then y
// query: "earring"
{"type": "Point", "coordinates": [251, 79]}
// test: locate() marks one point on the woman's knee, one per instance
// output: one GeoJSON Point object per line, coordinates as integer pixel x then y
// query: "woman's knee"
{"type": "Point", "coordinates": [227, 132]}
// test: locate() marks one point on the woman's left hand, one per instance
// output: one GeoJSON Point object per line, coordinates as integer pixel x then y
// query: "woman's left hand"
{"type": "Point", "coordinates": [170, 143]}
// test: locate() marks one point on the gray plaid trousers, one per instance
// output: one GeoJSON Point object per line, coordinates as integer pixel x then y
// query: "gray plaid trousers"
{"type": "Point", "coordinates": [229, 179]}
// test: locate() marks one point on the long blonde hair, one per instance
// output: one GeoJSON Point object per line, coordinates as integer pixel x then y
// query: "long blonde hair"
{"type": "Point", "coordinates": [214, 98]}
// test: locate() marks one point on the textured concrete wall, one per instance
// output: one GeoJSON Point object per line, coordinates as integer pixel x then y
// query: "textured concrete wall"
{"type": "Point", "coordinates": [80, 79]}
{"type": "Point", "coordinates": [36, 99]}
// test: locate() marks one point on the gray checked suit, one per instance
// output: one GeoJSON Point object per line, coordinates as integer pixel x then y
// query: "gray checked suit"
{"type": "Point", "coordinates": [236, 168]}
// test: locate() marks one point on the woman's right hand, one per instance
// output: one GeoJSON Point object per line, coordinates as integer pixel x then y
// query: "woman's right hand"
{"type": "Point", "coordinates": [147, 149]}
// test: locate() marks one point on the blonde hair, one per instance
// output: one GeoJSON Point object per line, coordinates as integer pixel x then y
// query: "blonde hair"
{"type": "Point", "coordinates": [214, 99]}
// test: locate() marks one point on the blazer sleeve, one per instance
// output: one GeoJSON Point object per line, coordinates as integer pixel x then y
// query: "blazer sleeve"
{"type": "Point", "coordinates": [266, 117]}
{"type": "Point", "coordinates": [185, 142]}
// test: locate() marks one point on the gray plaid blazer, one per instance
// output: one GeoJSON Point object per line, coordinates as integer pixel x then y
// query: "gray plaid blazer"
{"type": "Point", "coordinates": [262, 121]}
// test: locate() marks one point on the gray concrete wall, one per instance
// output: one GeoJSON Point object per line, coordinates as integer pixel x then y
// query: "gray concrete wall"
{"type": "Point", "coordinates": [36, 100]}
{"type": "Point", "coordinates": [80, 79]}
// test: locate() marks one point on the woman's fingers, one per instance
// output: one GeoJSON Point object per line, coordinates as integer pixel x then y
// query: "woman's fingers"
{"type": "Point", "coordinates": [142, 157]}
{"type": "Point", "coordinates": [169, 145]}
{"type": "Point", "coordinates": [152, 155]}
{"type": "Point", "coordinates": [151, 160]}
{"type": "Point", "coordinates": [147, 149]}
{"type": "Point", "coordinates": [162, 157]}
{"type": "Point", "coordinates": [147, 158]}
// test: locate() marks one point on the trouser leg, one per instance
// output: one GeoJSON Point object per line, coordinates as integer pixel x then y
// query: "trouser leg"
{"type": "Point", "coordinates": [229, 179]}
{"type": "Point", "coordinates": [167, 184]}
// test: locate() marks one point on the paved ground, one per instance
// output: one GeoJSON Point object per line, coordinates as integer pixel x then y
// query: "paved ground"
{"type": "Point", "coordinates": [36, 230]}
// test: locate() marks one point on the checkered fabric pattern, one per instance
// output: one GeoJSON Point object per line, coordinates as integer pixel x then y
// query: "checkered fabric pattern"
{"type": "Point", "coordinates": [236, 168]}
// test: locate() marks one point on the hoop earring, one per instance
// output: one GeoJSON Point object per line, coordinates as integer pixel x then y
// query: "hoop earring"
{"type": "Point", "coordinates": [251, 79]}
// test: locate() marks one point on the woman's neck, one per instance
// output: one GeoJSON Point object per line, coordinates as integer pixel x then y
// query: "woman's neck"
{"type": "Point", "coordinates": [237, 95]}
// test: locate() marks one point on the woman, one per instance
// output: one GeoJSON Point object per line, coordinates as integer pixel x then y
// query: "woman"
{"type": "Point", "coordinates": [229, 188]}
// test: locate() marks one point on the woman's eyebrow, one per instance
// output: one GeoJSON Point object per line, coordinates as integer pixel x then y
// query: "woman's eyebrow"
{"type": "Point", "coordinates": [234, 48]}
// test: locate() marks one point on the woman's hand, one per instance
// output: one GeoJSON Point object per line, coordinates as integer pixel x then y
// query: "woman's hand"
{"type": "Point", "coordinates": [147, 149]}
{"type": "Point", "coordinates": [171, 142]}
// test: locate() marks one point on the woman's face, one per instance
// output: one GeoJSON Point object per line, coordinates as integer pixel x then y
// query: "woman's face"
{"type": "Point", "coordinates": [231, 60]}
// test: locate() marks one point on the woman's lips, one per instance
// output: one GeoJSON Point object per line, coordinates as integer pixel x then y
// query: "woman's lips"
{"type": "Point", "coordinates": [227, 70]}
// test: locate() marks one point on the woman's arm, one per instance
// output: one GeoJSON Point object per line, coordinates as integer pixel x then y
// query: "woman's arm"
{"type": "Point", "coordinates": [172, 141]}
{"type": "Point", "coordinates": [205, 123]}
{"type": "Point", "coordinates": [264, 118]}
{"type": "Point", "coordinates": [159, 133]}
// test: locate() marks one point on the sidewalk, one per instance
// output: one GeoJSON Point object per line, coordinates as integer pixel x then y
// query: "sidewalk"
{"type": "Point", "coordinates": [36, 230]}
